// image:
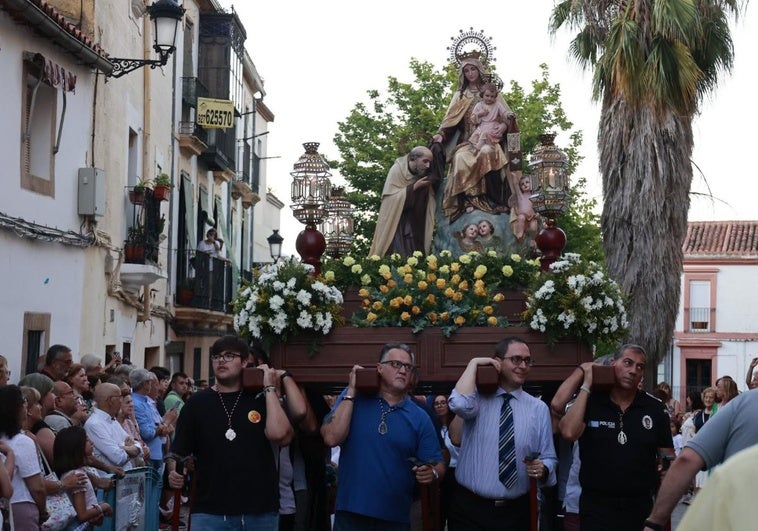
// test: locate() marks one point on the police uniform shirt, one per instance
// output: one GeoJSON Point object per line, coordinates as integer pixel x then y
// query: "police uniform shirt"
{"type": "Point", "coordinates": [622, 464]}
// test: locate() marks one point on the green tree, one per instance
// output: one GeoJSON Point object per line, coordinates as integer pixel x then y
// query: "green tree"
{"type": "Point", "coordinates": [375, 133]}
{"type": "Point", "coordinates": [653, 61]}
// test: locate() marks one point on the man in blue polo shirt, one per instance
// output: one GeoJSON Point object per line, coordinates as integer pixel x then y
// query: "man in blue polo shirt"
{"type": "Point", "coordinates": [378, 435]}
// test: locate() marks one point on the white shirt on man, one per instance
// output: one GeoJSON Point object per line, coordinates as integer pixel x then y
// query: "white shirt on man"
{"type": "Point", "coordinates": [108, 438]}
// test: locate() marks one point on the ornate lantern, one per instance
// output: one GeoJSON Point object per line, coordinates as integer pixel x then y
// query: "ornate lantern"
{"type": "Point", "coordinates": [338, 224]}
{"type": "Point", "coordinates": [550, 185]}
{"type": "Point", "coordinates": [311, 189]}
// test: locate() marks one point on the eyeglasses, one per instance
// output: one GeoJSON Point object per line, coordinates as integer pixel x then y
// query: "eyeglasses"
{"type": "Point", "coordinates": [396, 364]}
{"type": "Point", "coordinates": [518, 360]}
{"type": "Point", "coordinates": [227, 355]}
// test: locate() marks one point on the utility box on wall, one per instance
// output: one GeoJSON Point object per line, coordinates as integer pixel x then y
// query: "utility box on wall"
{"type": "Point", "coordinates": [91, 192]}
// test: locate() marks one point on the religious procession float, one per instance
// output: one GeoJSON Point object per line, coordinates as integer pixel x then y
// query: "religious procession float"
{"type": "Point", "coordinates": [466, 252]}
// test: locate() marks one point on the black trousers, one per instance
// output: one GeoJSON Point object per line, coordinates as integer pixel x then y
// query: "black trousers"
{"type": "Point", "coordinates": [613, 513]}
{"type": "Point", "coordinates": [470, 512]}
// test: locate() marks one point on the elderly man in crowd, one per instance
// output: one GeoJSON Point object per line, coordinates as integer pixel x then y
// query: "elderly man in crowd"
{"type": "Point", "coordinates": [57, 361]}
{"type": "Point", "coordinates": [388, 444]}
{"type": "Point", "coordinates": [112, 445]}
{"type": "Point", "coordinates": [152, 427]}
{"type": "Point", "coordinates": [68, 412]}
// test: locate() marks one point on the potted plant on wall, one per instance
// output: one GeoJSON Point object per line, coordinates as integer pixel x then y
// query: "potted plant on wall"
{"type": "Point", "coordinates": [162, 186]}
{"type": "Point", "coordinates": [134, 246]}
{"type": "Point", "coordinates": [137, 194]}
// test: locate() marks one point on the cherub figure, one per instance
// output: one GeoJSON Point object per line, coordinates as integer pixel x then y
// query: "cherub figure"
{"type": "Point", "coordinates": [524, 221]}
{"type": "Point", "coordinates": [487, 237]}
{"type": "Point", "coordinates": [467, 238]}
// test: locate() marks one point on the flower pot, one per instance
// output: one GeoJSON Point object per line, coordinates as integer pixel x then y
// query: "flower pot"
{"type": "Point", "coordinates": [137, 196]}
{"type": "Point", "coordinates": [134, 254]}
{"type": "Point", "coordinates": [161, 193]}
{"type": "Point", "coordinates": [184, 296]}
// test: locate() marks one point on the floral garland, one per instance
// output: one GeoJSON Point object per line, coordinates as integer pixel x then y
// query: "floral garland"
{"type": "Point", "coordinates": [578, 300]}
{"type": "Point", "coordinates": [423, 291]}
{"type": "Point", "coordinates": [284, 300]}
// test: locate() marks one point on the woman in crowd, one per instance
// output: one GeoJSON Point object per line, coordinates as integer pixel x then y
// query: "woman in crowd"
{"type": "Point", "coordinates": [672, 405]}
{"type": "Point", "coordinates": [29, 498]}
{"type": "Point", "coordinates": [77, 379]}
{"type": "Point", "coordinates": [71, 451]}
{"type": "Point", "coordinates": [726, 389]}
{"type": "Point", "coordinates": [694, 404]}
{"type": "Point", "coordinates": [38, 404]}
{"type": "Point", "coordinates": [5, 374]}
{"type": "Point", "coordinates": [129, 423]}
{"type": "Point", "coordinates": [448, 486]}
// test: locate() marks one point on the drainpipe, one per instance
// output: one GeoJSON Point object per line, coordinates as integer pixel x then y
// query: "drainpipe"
{"type": "Point", "coordinates": [146, 128]}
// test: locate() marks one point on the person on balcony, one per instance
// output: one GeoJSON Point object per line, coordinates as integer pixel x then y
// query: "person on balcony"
{"type": "Point", "coordinates": [211, 245]}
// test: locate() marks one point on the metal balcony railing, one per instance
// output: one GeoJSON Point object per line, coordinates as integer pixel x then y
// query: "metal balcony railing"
{"type": "Point", "coordinates": [204, 281]}
{"type": "Point", "coordinates": [191, 128]}
{"type": "Point", "coordinates": [700, 320]}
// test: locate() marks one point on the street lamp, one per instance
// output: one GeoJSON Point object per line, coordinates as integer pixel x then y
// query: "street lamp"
{"type": "Point", "coordinates": [338, 225]}
{"type": "Point", "coordinates": [550, 185]}
{"type": "Point", "coordinates": [166, 15]}
{"type": "Point", "coordinates": [275, 245]}
{"type": "Point", "coordinates": [311, 189]}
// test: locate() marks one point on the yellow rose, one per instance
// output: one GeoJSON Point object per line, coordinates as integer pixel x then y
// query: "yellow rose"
{"type": "Point", "coordinates": [401, 270]}
{"type": "Point", "coordinates": [371, 317]}
{"type": "Point", "coordinates": [444, 316]}
{"type": "Point", "coordinates": [480, 271]}
{"type": "Point", "coordinates": [357, 269]}
{"type": "Point", "coordinates": [348, 261]}
{"type": "Point", "coordinates": [464, 259]}
{"type": "Point", "coordinates": [363, 292]}
{"type": "Point", "coordinates": [408, 300]}
{"type": "Point", "coordinates": [329, 275]}
{"type": "Point", "coordinates": [395, 303]}
{"type": "Point", "coordinates": [431, 298]}
{"type": "Point", "coordinates": [366, 303]}
{"type": "Point", "coordinates": [432, 317]}
{"type": "Point", "coordinates": [507, 270]}
{"type": "Point", "coordinates": [488, 310]}
{"type": "Point", "coordinates": [366, 280]}
{"type": "Point", "coordinates": [405, 316]}
{"type": "Point", "coordinates": [432, 266]}
{"type": "Point", "coordinates": [422, 285]}
{"type": "Point", "coordinates": [492, 254]}
{"type": "Point", "coordinates": [459, 320]}
{"type": "Point", "coordinates": [383, 289]}
{"type": "Point", "coordinates": [463, 285]}
{"type": "Point", "coordinates": [499, 297]}
{"type": "Point", "coordinates": [455, 267]}
{"type": "Point", "coordinates": [415, 310]}
{"type": "Point", "coordinates": [441, 283]}
{"type": "Point", "coordinates": [408, 278]}
{"type": "Point", "coordinates": [407, 269]}
{"type": "Point", "coordinates": [480, 292]}
{"type": "Point", "coordinates": [449, 293]}
{"type": "Point", "coordinates": [391, 283]}
{"type": "Point", "coordinates": [445, 253]}
{"type": "Point", "coordinates": [516, 257]}
{"type": "Point", "coordinates": [458, 296]}
{"type": "Point", "coordinates": [412, 261]}
{"type": "Point", "coordinates": [377, 305]}
{"type": "Point", "coordinates": [431, 277]}
{"type": "Point", "coordinates": [445, 269]}
{"type": "Point", "coordinates": [492, 321]}
{"type": "Point", "coordinates": [455, 279]}
{"type": "Point", "coordinates": [417, 254]}
{"type": "Point", "coordinates": [374, 257]}
{"type": "Point", "coordinates": [479, 284]}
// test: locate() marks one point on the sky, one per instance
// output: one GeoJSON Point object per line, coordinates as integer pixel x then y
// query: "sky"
{"type": "Point", "coordinates": [318, 59]}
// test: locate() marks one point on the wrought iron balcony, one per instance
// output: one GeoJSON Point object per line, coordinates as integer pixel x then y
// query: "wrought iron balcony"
{"type": "Point", "coordinates": [192, 89]}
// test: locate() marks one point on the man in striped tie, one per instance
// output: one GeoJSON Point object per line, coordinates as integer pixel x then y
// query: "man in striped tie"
{"type": "Point", "coordinates": [502, 434]}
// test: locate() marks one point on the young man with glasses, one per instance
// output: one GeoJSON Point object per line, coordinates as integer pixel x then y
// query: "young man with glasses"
{"type": "Point", "coordinates": [230, 432]}
{"type": "Point", "coordinates": [507, 440]}
{"type": "Point", "coordinates": [381, 436]}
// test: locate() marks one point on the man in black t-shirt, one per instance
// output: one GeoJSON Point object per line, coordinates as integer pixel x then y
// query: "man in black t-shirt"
{"type": "Point", "coordinates": [229, 431]}
{"type": "Point", "coordinates": [622, 433]}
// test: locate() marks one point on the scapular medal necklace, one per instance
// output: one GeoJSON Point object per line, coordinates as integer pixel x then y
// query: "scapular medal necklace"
{"type": "Point", "coordinates": [230, 433]}
{"type": "Point", "coordinates": [622, 436]}
{"type": "Point", "coordinates": [382, 424]}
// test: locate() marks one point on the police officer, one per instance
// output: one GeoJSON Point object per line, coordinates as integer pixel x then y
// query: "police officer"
{"type": "Point", "coordinates": [621, 433]}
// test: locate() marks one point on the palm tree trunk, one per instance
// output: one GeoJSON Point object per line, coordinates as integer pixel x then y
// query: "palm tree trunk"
{"type": "Point", "coordinates": [646, 169]}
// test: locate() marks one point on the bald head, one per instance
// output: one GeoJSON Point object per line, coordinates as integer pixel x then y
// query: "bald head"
{"type": "Point", "coordinates": [64, 398]}
{"type": "Point", "coordinates": [105, 397]}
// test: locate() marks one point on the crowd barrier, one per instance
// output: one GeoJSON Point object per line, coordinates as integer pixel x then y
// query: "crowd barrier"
{"type": "Point", "coordinates": [134, 500]}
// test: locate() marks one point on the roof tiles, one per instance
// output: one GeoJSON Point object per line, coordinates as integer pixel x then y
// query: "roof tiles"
{"type": "Point", "coordinates": [721, 238]}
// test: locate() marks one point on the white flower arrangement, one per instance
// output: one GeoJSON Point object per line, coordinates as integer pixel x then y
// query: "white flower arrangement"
{"type": "Point", "coordinates": [578, 300]}
{"type": "Point", "coordinates": [284, 300]}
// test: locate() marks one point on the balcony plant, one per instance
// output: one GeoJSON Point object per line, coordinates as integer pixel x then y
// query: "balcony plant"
{"type": "Point", "coordinates": [137, 194]}
{"type": "Point", "coordinates": [162, 186]}
{"type": "Point", "coordinates": [134, 246]}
